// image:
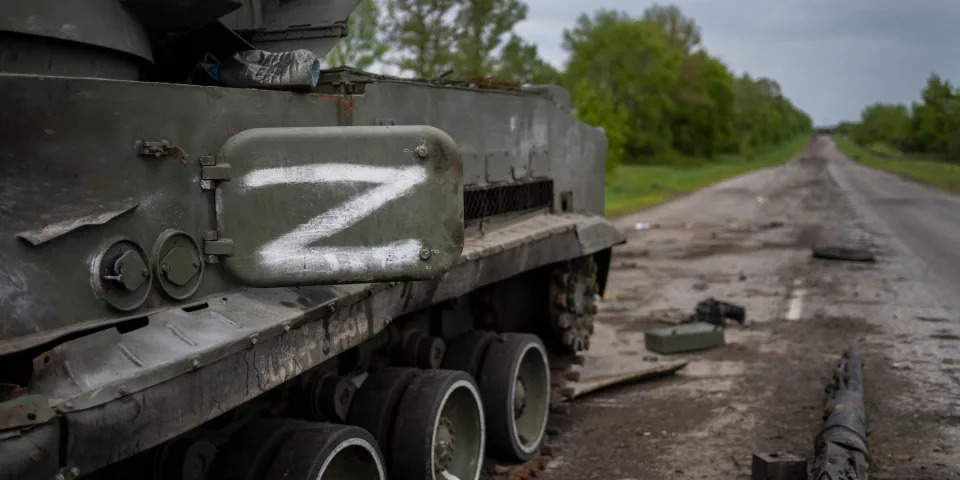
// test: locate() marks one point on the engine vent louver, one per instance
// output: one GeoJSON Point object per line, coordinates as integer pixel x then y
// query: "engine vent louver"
{"type": "Point", "coordinates": [483, 202]}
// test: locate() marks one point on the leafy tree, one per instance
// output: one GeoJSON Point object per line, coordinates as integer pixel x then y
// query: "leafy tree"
{"type": "Point", "coordinates": [936, 122]}
{"type": "Point", "coordinates": [422, 34]}
{"type": "Point", "coordinates": [763, 115]}
{"type": "Point", "coordinates": [679, 29]}
{"type": "Point", "coordinates": [620, 73]}
{"type": "Point", "coordinates": [363, 45]}
{"type": "Point", "coordinates": [889, 124]}
{"type": "Point", "coordinates": [520, 63]}
{"type": "Point", "coordinates": [703, 94]}
{"type": "Point", "coordinates": [481, 26]}
{"type": "Point", "coordinates": [643, 80]}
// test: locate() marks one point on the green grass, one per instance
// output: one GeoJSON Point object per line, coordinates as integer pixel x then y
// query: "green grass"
{"type": "Point", "coordinates": [634, 187]}
{"type": "Point", "coordinates": [939, 174]}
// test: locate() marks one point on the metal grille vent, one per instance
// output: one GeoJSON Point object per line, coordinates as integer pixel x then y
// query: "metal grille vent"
{"type": "Point", "coordinates": [490, 201]}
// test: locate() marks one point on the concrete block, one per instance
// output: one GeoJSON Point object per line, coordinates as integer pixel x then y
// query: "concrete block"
{"type": "Point", "coordinates": [778, 466]}
{"type": "Point", "coordinates": [684, 338]}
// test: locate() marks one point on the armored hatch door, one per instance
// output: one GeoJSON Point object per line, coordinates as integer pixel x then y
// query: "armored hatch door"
{"type": "Point", "coordinates": [328, 205]}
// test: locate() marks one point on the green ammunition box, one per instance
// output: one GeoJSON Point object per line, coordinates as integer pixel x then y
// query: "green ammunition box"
{"type": "Point", "coordinates": [684, 338]}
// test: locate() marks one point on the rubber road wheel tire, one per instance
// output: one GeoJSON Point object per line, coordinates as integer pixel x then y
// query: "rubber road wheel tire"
{"type": "Point", "coordinates": [466, 351]}
{"type": "Point", "coordinates": [328, 452]}
{"type": "Point", "coordinates": [417, 419]}
{"type": "Point", "coordinates": [375, 403]}
{"type": "Point", "coordinates": [497, 386]}
{"type": "Point", "coordinates": [248, 454]}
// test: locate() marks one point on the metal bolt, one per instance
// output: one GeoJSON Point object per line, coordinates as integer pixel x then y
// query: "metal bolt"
{"type": "Point", "coordinates": [422, 151]}
{"type": "Point", "coordinates": [59, 476]}
{"type": "Point", "coordinates": [165, 267]}
{"type": "Point", "coordinates": [145, 272]}
{"type": "Point", "coordinates": [195, 363]}
{"type": "Point", "coordinates": [67, 406]}
{"type": "Point", "coordinates": [122, 389]}
{"type": "Point", "coordinates": [74, 472]}
{"type": "Point", "coordinates": [253, 340]}
{"type": "Point", "coordinates": [425, 254]}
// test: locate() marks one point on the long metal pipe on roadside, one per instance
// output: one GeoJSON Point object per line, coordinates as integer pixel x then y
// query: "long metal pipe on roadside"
{"type": "Point", "coordinates": [841, 447]}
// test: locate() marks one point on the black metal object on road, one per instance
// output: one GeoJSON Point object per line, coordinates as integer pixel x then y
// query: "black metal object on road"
{"type": "Point", "coordinates": [841, 448]}
{"type": "Point", "coordinates": [717, 312]}
{"type": "Point", "coordinates": [778, 466]}
{"type": "Point", "coordinates": [849, 254]}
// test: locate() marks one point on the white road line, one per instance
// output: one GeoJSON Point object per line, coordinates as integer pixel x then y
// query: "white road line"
{"type": "Point", "coordinates": [795, 307]}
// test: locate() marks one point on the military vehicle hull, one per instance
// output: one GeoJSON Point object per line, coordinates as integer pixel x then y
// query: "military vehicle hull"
{"type": "Point", "coordinates": [199, 281]}
{"type": "Point", "coordinates": [121, 382]}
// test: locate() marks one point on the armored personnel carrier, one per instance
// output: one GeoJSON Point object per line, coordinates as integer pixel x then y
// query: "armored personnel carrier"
{"type": "Point", "coordinates": [219, 261]}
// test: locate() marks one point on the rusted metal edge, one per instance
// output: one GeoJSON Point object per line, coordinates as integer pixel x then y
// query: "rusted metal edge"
{"type": "Point", "coordinates": [59, 229]}
{"type": "Point", "coordinates": [25, 411]}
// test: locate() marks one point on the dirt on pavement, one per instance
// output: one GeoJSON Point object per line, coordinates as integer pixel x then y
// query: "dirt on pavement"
{"type": "Point", "coordinates": [748, 241]}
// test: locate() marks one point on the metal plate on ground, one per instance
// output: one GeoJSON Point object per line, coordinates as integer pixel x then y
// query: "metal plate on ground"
{"type": "Point", "coordinates": [684, 338]}
{"type": "Point", "coordinates": [642, 371]}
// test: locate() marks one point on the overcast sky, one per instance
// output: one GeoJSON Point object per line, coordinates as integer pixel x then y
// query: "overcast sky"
{"type": "Point", "coordinates": [831, 57]}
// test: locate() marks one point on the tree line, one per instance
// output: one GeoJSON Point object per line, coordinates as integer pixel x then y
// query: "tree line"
{"type": "Point", "coordinates": [931, 126]}
{"type": "Point", "coordinates": [646, 80]}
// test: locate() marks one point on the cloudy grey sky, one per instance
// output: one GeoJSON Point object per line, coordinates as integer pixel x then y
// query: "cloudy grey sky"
{"type": "Point", "coordinates": [831, 57]}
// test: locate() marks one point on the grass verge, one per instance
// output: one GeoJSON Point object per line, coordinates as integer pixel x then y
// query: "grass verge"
{"type": "Point", "coordinates": [939, 174]}
{"type": "Point", "coordinates": [634, 187]}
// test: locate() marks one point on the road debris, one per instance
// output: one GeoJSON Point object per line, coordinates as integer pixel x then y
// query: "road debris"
{"type": "Point", "coordinates": [716, 312]}
{"type": "Point", "coordinates": [770, 225]}
{"type": "Point", "coordinates": [684, 338]}
{"type": "Point", "coordinates": [646, 371]}
{"type": "Point", "coordinates": [778, 466]}
{"type": "Point", "coordinates": [841, 447]}
{"type": "Point", "coordinates": [849, 254]}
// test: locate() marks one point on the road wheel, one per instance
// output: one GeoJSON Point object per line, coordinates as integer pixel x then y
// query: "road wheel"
{"type": "Point", "coordinates": [328, 452]}
{"type": "Point", "coordinates": [466, 351]}
{"type": "Point", "coordinates": [375, 404]}
{"type": "Point", "coordinates": [515, 385]}
{"type": "Point", "coordinates": [248, 454]}
{"type": "Point", "coordinates": [439, 431]}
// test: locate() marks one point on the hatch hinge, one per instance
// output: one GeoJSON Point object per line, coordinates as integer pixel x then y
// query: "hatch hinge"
{"type": "Point", "coordinates": [212, 172]}
{"type": "Point", "coordinates": [214, 245]}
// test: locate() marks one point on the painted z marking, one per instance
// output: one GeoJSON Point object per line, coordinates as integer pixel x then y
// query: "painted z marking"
{"type": "Point", "coordinates": [292, 251]}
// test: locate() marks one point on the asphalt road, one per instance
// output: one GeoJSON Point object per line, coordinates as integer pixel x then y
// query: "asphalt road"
{"type": "Point", "coordinates": [924, 219]}
{"type": "Point", "coordinates": [748, 240]}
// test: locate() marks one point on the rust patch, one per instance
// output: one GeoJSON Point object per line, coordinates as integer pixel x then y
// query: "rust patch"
{"type": "Point", "coordinates": [523, 471]}
{"type": "Point", "coordinates": [9, 391]}
{"type": "Point", "coordinates": [344, 102]}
